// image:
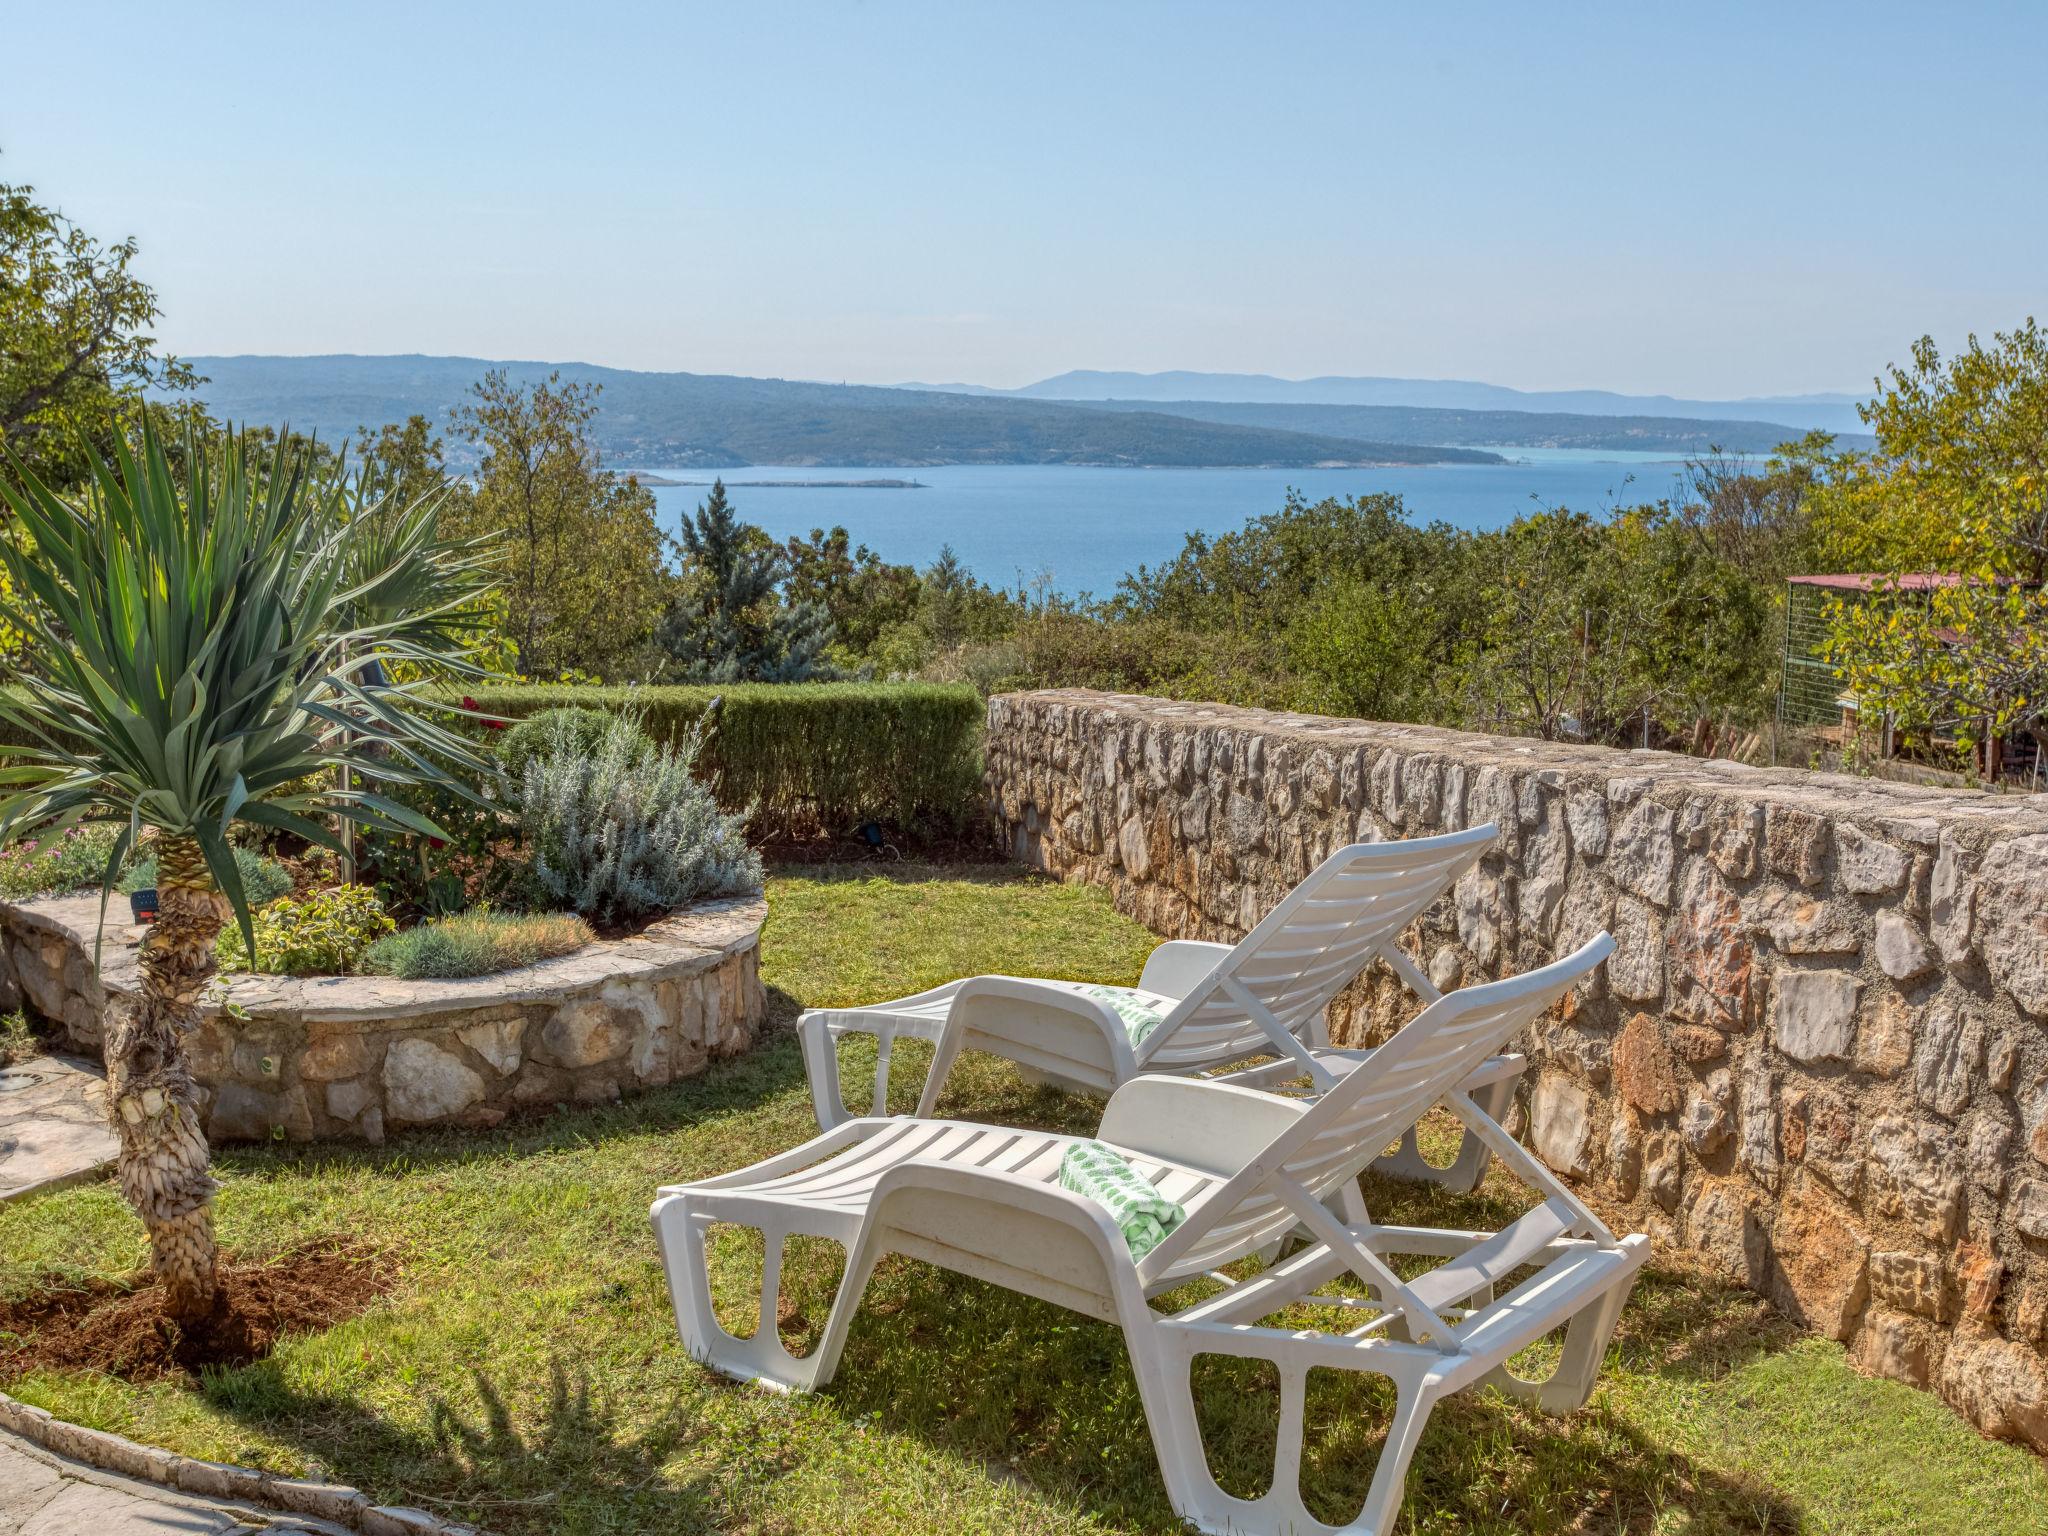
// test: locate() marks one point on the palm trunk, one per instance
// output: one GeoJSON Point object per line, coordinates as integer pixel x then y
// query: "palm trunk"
{"type": "Point", "coordinates": [155, 1105]}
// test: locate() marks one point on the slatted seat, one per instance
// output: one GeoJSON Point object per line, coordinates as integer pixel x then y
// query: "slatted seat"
{"type": "Point", "coordinates": [1258, 1006]}
{"type": "Point", "coordinates": [1249, 1168]}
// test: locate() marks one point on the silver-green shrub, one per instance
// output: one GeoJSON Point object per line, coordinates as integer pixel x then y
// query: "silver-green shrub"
{"type": "Point", "coordinates": [622, 829]}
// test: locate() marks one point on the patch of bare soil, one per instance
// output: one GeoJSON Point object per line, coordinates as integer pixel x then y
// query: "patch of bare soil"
{"type": "Point", "coordinates": [120, 1328]}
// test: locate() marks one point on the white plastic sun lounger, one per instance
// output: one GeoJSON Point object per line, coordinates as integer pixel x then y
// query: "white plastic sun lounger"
{"type": "Point", "coordinates": [1249, 1168]}
{"type": "Point", "coordinates": [1223, 1004]}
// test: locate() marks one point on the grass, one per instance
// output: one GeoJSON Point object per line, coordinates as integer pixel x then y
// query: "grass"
{"type": "Point", "coordinates": [527, 1375]}
{"type": "Point", "coordinates": [476, 944]}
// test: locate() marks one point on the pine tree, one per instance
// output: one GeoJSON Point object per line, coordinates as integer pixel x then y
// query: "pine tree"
{"type": "Point", "coordinates": [731, 624]}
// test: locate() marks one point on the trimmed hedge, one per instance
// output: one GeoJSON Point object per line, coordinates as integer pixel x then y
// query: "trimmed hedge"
{"type": "Point", "coordinates": [828, 755]}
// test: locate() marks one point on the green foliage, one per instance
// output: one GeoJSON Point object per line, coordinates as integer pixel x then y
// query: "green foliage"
{"type": "Point", "coordinates": [805, 754]}
{"type": "Point", "coordinates": [77, 355]}
{"type": "Point", "coordinates": [729, 622]}
{"type": "Point", "coordinates": [263, 879]}
{"type": "Point", "coordinates": [860, 592]}
{"type": "Point", "coordinates": [326, 934]}
{"type": "Point", "coordinates": [1958, 484]}
{"type": "Point", "coordinates": [56, 862]}
{"type": "Point", "coordinates": [537, 733]}
{"type": "Point", "coordinates": [476, 944]}
{"type": "Point", "coordinates": [579, 557]}
{"type": "Point", "coordinates": [201, 656]}
{"type": "Point", "coordinates": [626, 831]}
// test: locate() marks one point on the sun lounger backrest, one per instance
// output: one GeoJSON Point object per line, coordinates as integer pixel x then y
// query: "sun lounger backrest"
{"type": "Point", "coordinates": [1353, 1122]}
{"type": "Point", "coordinates": [1310, 946]}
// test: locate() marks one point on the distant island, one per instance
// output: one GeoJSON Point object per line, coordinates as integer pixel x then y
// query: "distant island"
{"type": "Point", "coordinates": [793, 485]}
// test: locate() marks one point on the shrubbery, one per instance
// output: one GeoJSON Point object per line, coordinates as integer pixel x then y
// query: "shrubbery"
{"type": "Point", "coordinates": [803, 755]}
{"type": "Point", "coordinates": [327, 934]}
{"type": "Point", "coordinates": [625, 831]}
{"type": "Point", "coordinates": [45, 865]}
{"type": "Point", "coordinates": [476, 944]}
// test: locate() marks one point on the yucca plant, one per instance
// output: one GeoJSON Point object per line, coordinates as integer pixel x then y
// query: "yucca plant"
{"type": "Point", "coordinates": [199, 636]}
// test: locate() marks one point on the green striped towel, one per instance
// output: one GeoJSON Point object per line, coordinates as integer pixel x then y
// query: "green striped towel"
{"type": "Point", "coordinates": [1142, 1012]}
{"type": "Point", "coordinates": [1141, 1213]}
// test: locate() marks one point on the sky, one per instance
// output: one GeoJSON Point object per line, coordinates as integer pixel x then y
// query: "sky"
{"type": "Point", "coordinates": [1710, 200]}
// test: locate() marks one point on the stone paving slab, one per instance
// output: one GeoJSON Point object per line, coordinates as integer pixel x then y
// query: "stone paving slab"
{"type": "Point", "coordinates": [46, 1495]}
{"type": "Point", "coordinates": [53, 1124]}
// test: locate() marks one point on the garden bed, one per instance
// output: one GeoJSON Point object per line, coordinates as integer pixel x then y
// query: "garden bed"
{"type": "Point", "coordinates": [303, 1057]}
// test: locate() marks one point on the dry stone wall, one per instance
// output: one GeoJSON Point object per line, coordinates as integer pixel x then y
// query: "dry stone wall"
{"type": "Point", "coordinates": [354, 1056]}
{"type": "Point", "coordinates": [1819, 1054]}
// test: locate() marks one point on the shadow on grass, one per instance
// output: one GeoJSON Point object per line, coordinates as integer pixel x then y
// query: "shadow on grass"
{"type": "Point", "coordinates": [573, 1468]}
{"type": "Point", "coordinates": [1030, 1391]}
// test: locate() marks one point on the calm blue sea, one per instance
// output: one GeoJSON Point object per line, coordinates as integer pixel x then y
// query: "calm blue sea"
{"type": "Point", "coordinates": [1083, 528]}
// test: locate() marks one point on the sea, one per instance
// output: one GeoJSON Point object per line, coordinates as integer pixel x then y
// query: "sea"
{"type": "Point", "coordinates": [1078, 530]}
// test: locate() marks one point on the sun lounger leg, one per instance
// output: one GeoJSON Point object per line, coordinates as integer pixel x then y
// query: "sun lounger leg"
{"type": "Point", "coordinates": [821, 1066]}
{"type": "Point", "coordinates": [1469, 1167]}
{"type": "Point", "coordinates": [762, 1357]}
{"type": "Point", "coordinates": [1164, 1364]}
{"type": "Point", "coordinates": [1578, 1368]}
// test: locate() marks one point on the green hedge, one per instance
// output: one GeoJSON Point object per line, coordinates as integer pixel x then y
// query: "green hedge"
{"type": "Point", "coordinates": [810, 755]}
{"type": "Point", "coordinates": [826, 755]}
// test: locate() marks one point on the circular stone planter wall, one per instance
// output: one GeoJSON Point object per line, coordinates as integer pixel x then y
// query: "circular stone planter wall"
{"type": "Point", "coordinates": [354, 1055]}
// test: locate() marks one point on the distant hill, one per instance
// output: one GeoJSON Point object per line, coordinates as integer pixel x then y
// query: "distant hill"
{"type": "Point", "coordinates": [1491, 429]}
{"type": "Point", "coordinates": [717, 421]}
{"type": "Point", "coordinates": [1830, 412]}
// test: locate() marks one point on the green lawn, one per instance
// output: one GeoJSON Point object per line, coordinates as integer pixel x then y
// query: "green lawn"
{"type": "Point", "coordinates": [527, 1375]}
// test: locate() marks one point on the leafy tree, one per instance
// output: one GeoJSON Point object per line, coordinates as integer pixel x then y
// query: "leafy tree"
{"type": "Point", "coordinates": [1958, 485]}
{"type": "Point", "coordinates": [580, 567]}
{"type": "Point", "coordinates": [730, 623]}
{"type": "Point", "coordinates": [860, 592]}
{"type": "Point", "coordinates": [200, 656]}
{"type": "Point", "coordinates": [76, 351]}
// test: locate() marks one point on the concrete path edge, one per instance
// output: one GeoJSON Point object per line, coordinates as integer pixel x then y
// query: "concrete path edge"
{"type": "Point", "coordinates": [335, 1503]}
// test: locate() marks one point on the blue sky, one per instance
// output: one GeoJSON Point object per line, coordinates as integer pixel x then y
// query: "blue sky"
{"type": "Point", "coordinates": [1706, 200]}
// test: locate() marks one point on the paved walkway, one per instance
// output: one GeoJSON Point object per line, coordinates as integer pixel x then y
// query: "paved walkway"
{"type": "Point", "coordinates": [53, 1124]}
{"type": "Point", "coordinates": [46, 1495]}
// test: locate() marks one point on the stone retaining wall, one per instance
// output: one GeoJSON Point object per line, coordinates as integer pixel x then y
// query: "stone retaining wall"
{"type": "Point", "coordinates": [354, 1055]}
{"type": "Point", "coordinates": [1819, 1053]}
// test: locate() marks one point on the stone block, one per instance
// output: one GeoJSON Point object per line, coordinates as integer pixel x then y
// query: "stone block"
{"type": "Point", "coordinates": [1735, 841]}
{"type": "Point", "coordinates": [1643, 1068]}
{"type": "Point", "coordinates": [1721, 1222]}
{"type": "Point", "coordinates": [1635, 971]}
{"type": "Point", "coordinates": [1709, 1117]}
{"type": "Point", "coordinates": [1866, 865]}
{"type": "Point", "coordinates": [347, 1099]}
{"type": "Point", "coordinates": [584, 1033]}
{"type": "Point", "coordinates": [1915, 1175]}
{"type": "Point", "coordinates": [1948, 1057]}
{"type": "Point", "coordinates": [1561, 1124]}
{"type": "Point", "coordinates": [498, 1041]}
{"type": "Point", "coordinates": [1895, 1347]}
{"type": "Point", "coordinates": [1884, 1038]}
{"type": "Point", "coordinates": [1642, 857]}
{"type": "Point", "coordinates": [1713, 967]}
{"type": "Point", "coordinates": [1796, 844]}
{"type": "Point", "coordinates": [342, 1054]}
{"type": "Point", "coordinates": [1999, 1385]}
{"type": "Point", "coordinates": [1909, 1282]}
{"type": "Point", "coordinates": [1904, 953]}
{"type": "Point", "coordinates": [423, 1083]}
{"type": "Point", "coordinates": [2012, 920]}
{"type": "Point", "coordinates": [1819, 1268]}
{"type": "Point", "coordinates": [1815, 1013]}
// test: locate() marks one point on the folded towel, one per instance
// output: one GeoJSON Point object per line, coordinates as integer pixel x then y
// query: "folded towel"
{"type": "Point", "coordinates": [1142, 1012]}
{"type": "Point", "coordinates": [1141, 1213]}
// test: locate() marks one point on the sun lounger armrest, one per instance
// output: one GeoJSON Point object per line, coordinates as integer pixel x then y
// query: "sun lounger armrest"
{"type": "Point", "coordinates": [1174, 968]}
{"type": "Point", "coordinates": [1194, 1122]}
